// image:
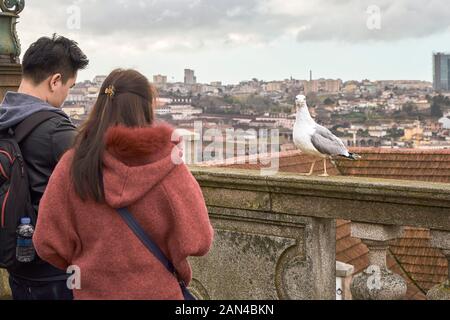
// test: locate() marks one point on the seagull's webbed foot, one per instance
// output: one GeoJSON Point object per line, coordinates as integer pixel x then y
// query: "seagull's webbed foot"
{"type": "Point", "coordinates": [324, 174]}
{"type": "Point", "coordinates": [311, 170]}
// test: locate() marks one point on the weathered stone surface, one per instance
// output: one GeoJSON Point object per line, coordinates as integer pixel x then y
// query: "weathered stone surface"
{"type": "Point", "coordinates": [390, 202]}
{"type": "Point", "coordinates": [379, 206]}
{"type": "Point", "coordinates": [10, 77]}
{"type": "Point", "coordinates": [248, 200]}
{"type": "Point", "coordinates": [375, 231]}
{"type": "Point", "coordinates": [266, 256]}
{"type": "Point", "coordinates": [439, 292]}
{"type": "Point", "coordinates": [239, 199]}
{"type": "Point", "coordinates": [440, 239]}
{"type": "Point", "coordinates": [377, 283]}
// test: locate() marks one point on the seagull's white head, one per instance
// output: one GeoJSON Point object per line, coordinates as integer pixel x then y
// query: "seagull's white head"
{"type": "Point", "coordinates": [300, 101]}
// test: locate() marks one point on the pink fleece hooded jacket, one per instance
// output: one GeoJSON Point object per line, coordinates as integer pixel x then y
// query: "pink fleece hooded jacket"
{"type": "Point", "coordinates": [164, 198]}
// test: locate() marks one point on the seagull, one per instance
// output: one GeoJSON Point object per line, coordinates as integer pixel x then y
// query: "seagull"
{"type": "Point", "coordinates": [315, 140]}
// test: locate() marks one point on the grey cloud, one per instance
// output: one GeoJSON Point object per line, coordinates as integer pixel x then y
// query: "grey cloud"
{"type": "Point", "coordinates": [263, 21]}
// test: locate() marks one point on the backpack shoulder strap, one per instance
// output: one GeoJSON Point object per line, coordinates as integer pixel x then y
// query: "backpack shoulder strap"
{"type": "Point", "coordinates": [29, 124]}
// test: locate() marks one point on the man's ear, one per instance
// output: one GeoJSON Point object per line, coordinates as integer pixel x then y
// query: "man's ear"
{"type": "Point", "coordinates": [55, 81]}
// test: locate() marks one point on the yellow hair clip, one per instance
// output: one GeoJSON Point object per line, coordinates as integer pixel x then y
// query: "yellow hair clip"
{"type": "Point", "coordinates": [110, 91]}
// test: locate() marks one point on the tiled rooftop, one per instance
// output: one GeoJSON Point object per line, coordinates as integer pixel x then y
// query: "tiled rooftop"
{"type": "Point", "coordinates": [404, 164]}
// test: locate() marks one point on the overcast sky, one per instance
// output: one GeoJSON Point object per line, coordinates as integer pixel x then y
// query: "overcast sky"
{"type": "Point", "coordinates": [234, 40]}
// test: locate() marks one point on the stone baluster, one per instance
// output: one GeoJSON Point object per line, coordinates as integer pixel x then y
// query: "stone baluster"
{"type": "Point", "coordinates": [441, 240]}
{"type": "Point", "coordinates": [377, 282]}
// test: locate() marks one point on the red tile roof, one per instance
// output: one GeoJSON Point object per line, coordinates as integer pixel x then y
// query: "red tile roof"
{"type": "Point", "coordinates": [404, 164]}
{"type": "Point", "coordinates": [289, 161]}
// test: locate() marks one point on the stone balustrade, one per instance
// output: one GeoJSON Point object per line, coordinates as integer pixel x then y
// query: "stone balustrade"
{"type": "Point", "coordinates": [275, 235]}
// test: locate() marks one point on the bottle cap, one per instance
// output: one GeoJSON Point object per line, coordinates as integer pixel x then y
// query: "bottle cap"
{"type": "Point", "coordinates": [25, 220]}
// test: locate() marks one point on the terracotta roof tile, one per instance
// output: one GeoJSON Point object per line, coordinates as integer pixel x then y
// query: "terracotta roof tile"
{"type": "Point", "coordinates": [407, 164]}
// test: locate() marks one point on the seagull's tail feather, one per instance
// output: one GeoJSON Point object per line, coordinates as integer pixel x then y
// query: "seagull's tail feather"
{"type": "Point", "coordinates": [352, 156]}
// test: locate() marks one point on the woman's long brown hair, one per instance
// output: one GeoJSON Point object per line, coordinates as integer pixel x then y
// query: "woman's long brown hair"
{"type": "Point", "coordinates": [131, 105]}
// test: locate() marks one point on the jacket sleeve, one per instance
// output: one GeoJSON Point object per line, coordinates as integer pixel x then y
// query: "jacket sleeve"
{"type": "Point", "coordinates": [192, 232]}
{"type": "Point", "coordinates": [62, 138]}
{"type": "Point", "coordinates": [55, 238]}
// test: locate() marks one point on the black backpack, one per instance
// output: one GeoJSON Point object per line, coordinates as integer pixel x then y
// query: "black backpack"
{"type": "Point", "coordinates": [15, 198]}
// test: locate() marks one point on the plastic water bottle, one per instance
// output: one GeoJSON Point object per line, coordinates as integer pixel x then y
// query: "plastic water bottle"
{"type": "Point", "coordinates": [24, 249]}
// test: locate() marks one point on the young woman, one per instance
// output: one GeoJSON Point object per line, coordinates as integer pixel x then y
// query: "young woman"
{"type": "Point", "coordinates": [122, 158]}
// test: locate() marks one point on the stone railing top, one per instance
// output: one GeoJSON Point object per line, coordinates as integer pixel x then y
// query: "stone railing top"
{"type": "Point", "coordinates": [395, 202]}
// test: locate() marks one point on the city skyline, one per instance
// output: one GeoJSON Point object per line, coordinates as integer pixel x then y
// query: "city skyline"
{"type": "Point", "coordinates": [162, 79]}
{"type": "Point", "coordinates": [241, 40]}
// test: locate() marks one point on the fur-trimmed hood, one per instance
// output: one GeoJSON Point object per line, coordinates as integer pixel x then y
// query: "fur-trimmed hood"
{"type": "Point", "coordinates": [136, 159]}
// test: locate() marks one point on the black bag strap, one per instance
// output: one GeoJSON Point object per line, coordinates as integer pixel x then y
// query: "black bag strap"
{"type": "Point", "coordinates": [153, 248]}
{"type": "Point", "coordinates": [145, 239]}
{"type": "Point", "coordinates": [29, 124]}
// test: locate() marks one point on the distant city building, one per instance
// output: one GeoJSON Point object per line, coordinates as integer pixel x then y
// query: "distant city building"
{"type": "Point", "coordinates": [74, 110]}
{"type": "Point", "coordinates": [322, 85]}
{"type": "Point", "coordinates": [441, 72]}
{"type": "Point", "coordinates": [160, 80]}
{"type": "Point", "coordinates": [189, 77]}
{"type": "Point", "coordinates": [333, 86]}
{"type": "Point", "coordinates": [98, 80]}
{"type": "Point", "coordinates": [76, 96]}
{"type": "Point", "coordinates": [274, 86]}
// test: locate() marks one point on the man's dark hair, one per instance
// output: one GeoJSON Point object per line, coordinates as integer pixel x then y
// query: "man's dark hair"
{"type": "Point", "coordinates": [48, 56]}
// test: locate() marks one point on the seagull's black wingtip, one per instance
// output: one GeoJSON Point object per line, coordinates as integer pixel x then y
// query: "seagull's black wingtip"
{"type": "Point", "coordinates": [352, 156]}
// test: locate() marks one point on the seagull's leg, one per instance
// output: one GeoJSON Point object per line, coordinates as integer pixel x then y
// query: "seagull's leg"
{"type": "Point", "coordinates": [325, 174]}
{"type": "Point", "coordinates": [312, 169]}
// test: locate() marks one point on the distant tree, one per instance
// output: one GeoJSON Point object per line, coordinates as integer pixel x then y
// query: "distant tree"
{"type": "Point", "coordinates": [312, 99]}
{"type": "Point", "coordinates": [329, 101]}
{"type": "Point", "coordinates": [395, 133]}
{"type": "Point", "coordinates": [436, 110]}
{"type": "Point", "coordinates": [363, 133]}
{"type": "Point", "coordinates": [409, 107]}
{"type": "Point", "coordinates": [441, 100]}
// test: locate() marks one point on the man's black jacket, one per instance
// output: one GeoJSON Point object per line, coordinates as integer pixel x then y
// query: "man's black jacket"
{"type": "Point", "coordinates": [41, 151]}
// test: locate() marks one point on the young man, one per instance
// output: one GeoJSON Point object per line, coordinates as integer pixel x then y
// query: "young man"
{"type": "Point", "coordinates": [50, 69]}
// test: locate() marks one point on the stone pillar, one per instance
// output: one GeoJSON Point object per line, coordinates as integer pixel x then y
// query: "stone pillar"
{"type": "Point", "coordinates": [377, 282]}
{"type": "Point", "coordinates": [344, 272]}
{"type": "Point", "coordinates": [10, 77]}
{"type": "Point", "coordinates": [441, 240]}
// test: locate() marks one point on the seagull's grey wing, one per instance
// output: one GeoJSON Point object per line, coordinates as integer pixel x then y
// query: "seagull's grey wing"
{"type": "Point", "coordinates": [327, 143]}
